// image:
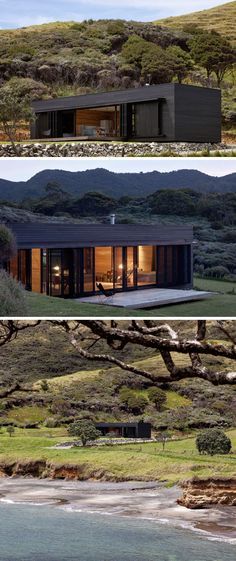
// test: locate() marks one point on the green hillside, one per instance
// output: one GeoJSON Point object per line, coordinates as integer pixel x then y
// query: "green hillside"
{"type": "Point", "coordinates": [221, 19]}
{"type": "Point", "coordinates": [60, 387]}
{"type": "Point", "coordinates": [70, 58]}
{"type": "Point", "coordinates": [64, 387]}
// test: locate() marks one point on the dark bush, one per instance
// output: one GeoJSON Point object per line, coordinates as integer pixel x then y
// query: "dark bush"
{"type": "Point", "coordinates": [213, 441]}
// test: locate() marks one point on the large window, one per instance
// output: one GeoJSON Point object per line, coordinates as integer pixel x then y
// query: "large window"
{"type": "Point", "coordinates": [104, 266]}
{"type": "Point", "coordinates": [24, 267]}
{"type": "Point", "coordinates": [146, 271]}
{"type": "Point", "coordinates": [55, 272]}
{"type": "Point", "coordinates": [88, 257]}
{"type": "Point", "coordinates": [98, 122]}
{"type": "Point", "coordinates": [130, 267]}
{"type": "Point", "coordinates": [118, 267]}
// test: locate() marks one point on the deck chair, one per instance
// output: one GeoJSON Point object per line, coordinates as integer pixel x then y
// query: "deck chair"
{"type": "Point", "coordinates": [105, 293]}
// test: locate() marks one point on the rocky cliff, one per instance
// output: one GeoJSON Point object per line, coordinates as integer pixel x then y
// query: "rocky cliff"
{"type": "Point", "coordinates": [204, 493]}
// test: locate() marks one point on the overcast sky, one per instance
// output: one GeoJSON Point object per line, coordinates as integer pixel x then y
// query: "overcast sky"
{"type": "Point", "coordinates": [23, 169]}
{"type": "Point", "coordinates": [20, 13]}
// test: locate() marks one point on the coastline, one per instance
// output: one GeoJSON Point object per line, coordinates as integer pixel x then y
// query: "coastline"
{"type": "Point", "coordinates": [136, 499]}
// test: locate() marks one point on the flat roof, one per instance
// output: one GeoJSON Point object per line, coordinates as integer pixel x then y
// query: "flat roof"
{"type": "Point", "coordinates": [114, 97]}
{"type": "Point", "coordinates": [120, 424]}
{"type": "Point", "coordinates": [53, 235]}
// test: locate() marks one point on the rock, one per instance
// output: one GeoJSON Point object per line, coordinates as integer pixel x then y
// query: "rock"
{"type": "Point", "coordinates": [205, 493]}
{"type": "Point", "coordinates": [112, 149]}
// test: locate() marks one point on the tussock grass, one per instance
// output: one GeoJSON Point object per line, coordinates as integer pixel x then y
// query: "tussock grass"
{"type": "Point", "coordinates": [221, 18]}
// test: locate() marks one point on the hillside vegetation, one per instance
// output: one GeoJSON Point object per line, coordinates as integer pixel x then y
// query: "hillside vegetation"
{"type": "Point", "coordinates": [67, 387]}
{"type": "Point", "coordinates": [70, 58]}
{"type": "Point", "coordinates": [211, 213]}
{"type": "Point", "coordinates": [58, 386]}
{"type": "Point", "coordinates": [221, 19]}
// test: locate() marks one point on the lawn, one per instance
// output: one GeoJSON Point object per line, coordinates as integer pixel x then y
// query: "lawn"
{"type": "Point", "coordinates": [179, 461]}
{"type": "Point", "coordinates": [222, 304]}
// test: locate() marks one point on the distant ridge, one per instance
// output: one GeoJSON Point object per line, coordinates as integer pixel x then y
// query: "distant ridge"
{"type": "Point", "coordinates": [115, 184]}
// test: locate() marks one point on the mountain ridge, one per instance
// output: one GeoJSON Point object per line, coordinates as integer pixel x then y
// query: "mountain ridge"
{"type": "Point", "coordinates": [115, 184]}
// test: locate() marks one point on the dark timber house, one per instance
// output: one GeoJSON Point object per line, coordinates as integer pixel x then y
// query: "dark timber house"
{"type": "Point", "coordinates": [165, 113]}
{"type": "Point", "coordinates": [126, 430]}
{"type": "Point", "coordinates": [68, 260]}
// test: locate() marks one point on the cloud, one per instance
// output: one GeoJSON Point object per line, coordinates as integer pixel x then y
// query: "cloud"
{"type": "Point", "coordinates": [21, 13]}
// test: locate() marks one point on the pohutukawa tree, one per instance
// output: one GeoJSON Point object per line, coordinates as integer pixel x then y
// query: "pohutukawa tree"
{"type": "Point", "coordinates": [164, 338]}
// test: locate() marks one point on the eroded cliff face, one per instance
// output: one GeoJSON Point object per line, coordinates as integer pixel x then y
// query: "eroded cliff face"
{"type": "Point", "coordinates": [204, 493]}
{"type": "Point", "coordinates": [43, 469]}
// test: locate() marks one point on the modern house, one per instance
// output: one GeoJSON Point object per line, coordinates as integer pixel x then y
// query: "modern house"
{"type": "Point", "coordinates": [126, 430]}
{"type": "Point", "coordinates": [69, 260]}
{"type": "Point", "coordinates": [165, 112]}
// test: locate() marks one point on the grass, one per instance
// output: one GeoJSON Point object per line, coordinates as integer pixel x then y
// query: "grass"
{"type": "Point", "coordinates": [222, 305]}
{"type": "Point", "coordinates": [30, 414]}
{"type": "Point", "coordinates": [59, 382]}
{"type": "Point", "coordinates": [215, 285]}
{"type": "Point", "coordinates": [221, 18]}
{"type": "Point", "coordinates": [145, 462]}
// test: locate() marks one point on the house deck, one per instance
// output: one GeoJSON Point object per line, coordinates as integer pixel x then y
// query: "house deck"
{"type": "Point", "coordinates": [149, 298]}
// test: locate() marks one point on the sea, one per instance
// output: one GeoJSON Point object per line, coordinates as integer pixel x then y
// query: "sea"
{"type": "Point", "coordinates": [49, 533]}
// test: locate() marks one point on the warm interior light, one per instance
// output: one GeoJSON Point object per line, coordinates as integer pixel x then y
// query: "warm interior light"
{"type": "Point", "coordinates": [120, 266]}
{"type": "Point", "coordinates": [56, 268]}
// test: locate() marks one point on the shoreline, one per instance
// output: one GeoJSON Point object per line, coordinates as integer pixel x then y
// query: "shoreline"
{"type": "Point", "coordinates": [136, 499]}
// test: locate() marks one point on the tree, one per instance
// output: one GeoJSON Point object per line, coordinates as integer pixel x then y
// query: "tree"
{"type": "Point", "coordinates": [7, 244]}
{"type": "Point", "coordinates": [157, 396]}
{"type": "Point", "coordinates": [10, 430]}
{"type": "Point", "coordinates": [156, 65]}
{"type": "Point", "coordinates": [213, 441]}
{"type": "Point", "coordinates": [85, 430]}
{"type": "Point", "coordinates": [163, 437]}
{"type": "Point", "coordinates": [213, 52]}
{"type": "Point", "coordinates": [163, 338]}
{"type": "Point", "coordinates": [180, 62]}
{"type": "Point", "coordinates": [14, 110]}
{"type": "Point", "coordinates": [134, 403]}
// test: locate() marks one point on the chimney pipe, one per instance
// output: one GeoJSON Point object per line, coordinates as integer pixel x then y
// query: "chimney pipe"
{"type": "Point", "coordinates": [112, 219]}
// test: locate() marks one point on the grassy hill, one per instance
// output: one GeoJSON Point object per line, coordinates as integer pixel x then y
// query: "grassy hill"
{"type": "Point", "coordinates": [221, 18]}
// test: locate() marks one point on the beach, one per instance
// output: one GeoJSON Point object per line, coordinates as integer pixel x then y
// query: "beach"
{"type": "Point", "coordinates": [144, 501]}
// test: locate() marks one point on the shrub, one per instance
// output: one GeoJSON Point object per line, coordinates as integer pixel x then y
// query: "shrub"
{"type": "Point", "coordinates": [137, 403]}
{"type": "Point", "coordinates": [44, 385]}
{"type": "Point", "coordinates": [12, 296]}
{"type": "Point", "coordinates": [157, 396]}
{"type": "Point", "coordinates": [213, 441]}
{"type": "Point", "coordinates": [51, 423]}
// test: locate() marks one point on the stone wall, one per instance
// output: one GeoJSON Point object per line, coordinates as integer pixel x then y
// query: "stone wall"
{"type": "Point", "coordinates": [111, 149]}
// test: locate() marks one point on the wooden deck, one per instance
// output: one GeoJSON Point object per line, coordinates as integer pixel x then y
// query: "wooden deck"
{"type": "Point", "coordinates": [148, 298]}
{"type": "Point", "coordinates": [78, 139]}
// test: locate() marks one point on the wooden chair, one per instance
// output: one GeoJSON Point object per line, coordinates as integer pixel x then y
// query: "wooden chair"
{"type": "Point", "coordinates": [107, 294]}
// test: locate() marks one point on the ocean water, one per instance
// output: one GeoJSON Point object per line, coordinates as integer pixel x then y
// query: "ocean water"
{"type": "Point", "coordinates": [49, 533]}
